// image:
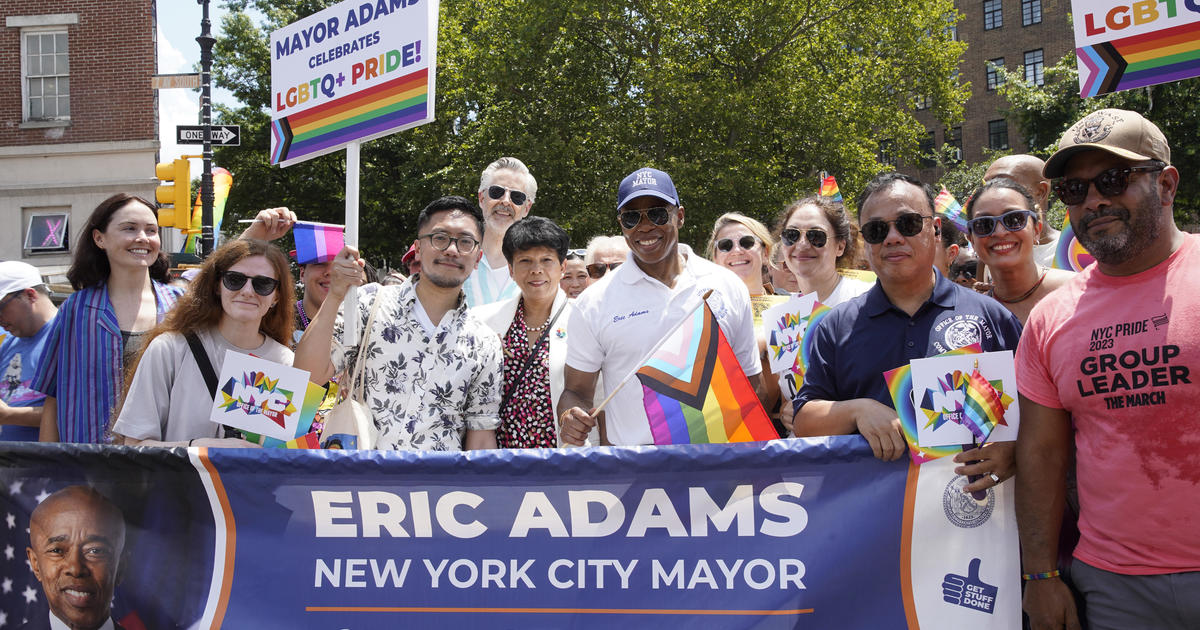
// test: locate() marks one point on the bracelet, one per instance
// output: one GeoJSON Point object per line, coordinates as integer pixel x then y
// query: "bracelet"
{"type": "Point", "coordinates": [1041, 576]}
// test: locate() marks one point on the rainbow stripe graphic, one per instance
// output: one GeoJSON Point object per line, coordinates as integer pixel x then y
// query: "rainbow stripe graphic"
{"type": "Point", "coordinates": [829, 188]}
{"type": "Point", "coordinates": [1131, 62]}
{"type": "Point", "coordinates": [946, 205]}
{"type": "Point", "coordinates": [695, 392]}
{"type": "Point", "coordinates": [818, 313]}
{"type": "Point", "coordinates": [222, 183]}
{"type": "Point", "coordinates": [900, 386]}
{"type": "Point", "coordinates": [1070, 253]}
{"type": "Point", "coordinates": [983, 409]}
{"type": "Point", "coordinates": [360, 116]}
{"type": "Point", "coordinates": [317, 242]}
{"type": "Point", "coordinates": [305, 437]}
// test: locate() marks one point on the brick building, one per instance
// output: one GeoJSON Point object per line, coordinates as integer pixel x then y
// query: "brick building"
{"type": "Point", "coordinates": [78, 118]}
{"type": "Point", "coordinates": [1022, 35]}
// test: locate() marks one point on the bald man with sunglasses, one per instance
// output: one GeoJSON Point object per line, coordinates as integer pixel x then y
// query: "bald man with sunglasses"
{"type": "Point", "coordinates": [912, 312]}
{"type": "Point", "coordinates": [1108, 375]}
{"type": "Point", "coordinates": [634, 306]}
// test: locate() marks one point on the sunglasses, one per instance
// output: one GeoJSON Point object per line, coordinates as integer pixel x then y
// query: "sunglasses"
{"type": "Point", "coordinates": [876, 231]}
{"type": "Point", "coordinates": [597, 270]}
{"type": "Point", "coordinates": [1110, 183]}
{"type": "Point", "coordinates": [235, 280]}
{"type": "Point", "coordinates": [1013, 221]}
{"type": "Point", "coordinates": [746, 242]}
{"type": "Point", "coordinates": [497, 192]}
{"type": "Point", "coordinates": [631, 218]}
{"type": "Point", "coordinates": [815, 237]}
{"type": "Point", "coordinates": [968, 271]}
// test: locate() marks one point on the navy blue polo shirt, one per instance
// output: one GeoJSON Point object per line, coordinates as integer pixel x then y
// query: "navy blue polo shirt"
{"type": "Point", "coordinates": [861, 339]}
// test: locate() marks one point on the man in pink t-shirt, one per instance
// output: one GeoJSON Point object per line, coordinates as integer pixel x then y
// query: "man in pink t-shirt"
{"type": "Point", "coordinates": [1114, 356]}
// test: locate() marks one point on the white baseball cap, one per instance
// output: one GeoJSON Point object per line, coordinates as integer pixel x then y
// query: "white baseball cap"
{"type": "Point", "coordinates": [18, 276]}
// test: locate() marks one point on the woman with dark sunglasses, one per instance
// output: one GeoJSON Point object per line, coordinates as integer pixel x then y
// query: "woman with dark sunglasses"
{"type": "Point", "coordinates": [241, 300]}
{"type": "Point", "coordinates": [744, 246]}
{"type": "Point", "coordinates": [814, 233]}
{"type": "Point", "coordinates": [1003, 226]}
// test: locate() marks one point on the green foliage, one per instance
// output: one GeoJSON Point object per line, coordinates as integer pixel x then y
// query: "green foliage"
{"type": "Point", "coordinates": [1043, 113]}
{"type": "Point", "coordinates": [742, 103]}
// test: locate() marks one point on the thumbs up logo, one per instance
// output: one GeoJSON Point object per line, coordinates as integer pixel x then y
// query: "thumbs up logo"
{"type": "Point", "coordinates": [969, 591]}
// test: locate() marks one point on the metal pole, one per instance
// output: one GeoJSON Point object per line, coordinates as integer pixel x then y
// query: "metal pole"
{"type": "Point", "coordinates": [206, 41]}
{"type": "Point", "coordinates": [351, 302]}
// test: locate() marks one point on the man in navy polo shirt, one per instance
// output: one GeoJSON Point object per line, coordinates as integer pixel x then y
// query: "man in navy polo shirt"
{"type": "Point", "coordinates": [912, 312]}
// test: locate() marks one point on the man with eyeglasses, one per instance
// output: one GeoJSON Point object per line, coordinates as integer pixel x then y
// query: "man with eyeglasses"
{"type": "Point", "coordinates": [912, 312]}
{"type": "Point", "coordinates": [433, 369]}
{"type": "Point", "coordinates": [634, 306]}
{"type": "Point", "coordinates": [1107, 373]}
{"type": "Point", "coordinates": [25, 312]}
{"type": "Point", "coordinates": [506, 193]}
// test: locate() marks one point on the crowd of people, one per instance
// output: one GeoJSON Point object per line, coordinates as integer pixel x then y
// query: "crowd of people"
{"type": "Point", "coordinates": [504, 336]}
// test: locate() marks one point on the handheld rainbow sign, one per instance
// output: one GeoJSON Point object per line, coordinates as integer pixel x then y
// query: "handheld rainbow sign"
{"type": "Point", "coordinates": [260, 396]}
{"type": "Point", "coordinates": [1121, 45]}
{"type": "Point", "coordinates": [961, 398]}
{"type": "Point", "coordinates": [695, 392]}
{"type": "Point", "coordinates": [352, 72]}
{"type": "Point", "coordinates": [317, 242]}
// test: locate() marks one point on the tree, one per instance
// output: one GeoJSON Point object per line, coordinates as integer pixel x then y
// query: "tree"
{"type": "Point", "coordinates": [742, 103]}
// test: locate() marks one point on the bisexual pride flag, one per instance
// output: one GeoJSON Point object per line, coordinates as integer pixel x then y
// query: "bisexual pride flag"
{"type": "Point", "coordinates": [829, 188]}
{"type": "Point", "coordinates": [694, 389]}
{"type": "Point", "coordinates": [946, 205]}
{"type": "Point", "coordinates": [317, 242]}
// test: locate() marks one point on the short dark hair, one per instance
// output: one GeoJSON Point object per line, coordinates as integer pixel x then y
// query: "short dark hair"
{"type": "Point", "coordinates": [449, 203]}
{"type": "Point", "coordinates": [533, 232]}
{"type": "Point", "coordinates": [886, 180]}
{"type": "Point", "coordinates": [951, 235]}
{"type": "Point", "coordinates": [1005, 184]}
{"type": "Point", "coordinates": [90, 266]}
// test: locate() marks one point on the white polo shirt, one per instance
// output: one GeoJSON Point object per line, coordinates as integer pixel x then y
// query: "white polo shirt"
{"type": "Point", "coordinates": [620, 318]}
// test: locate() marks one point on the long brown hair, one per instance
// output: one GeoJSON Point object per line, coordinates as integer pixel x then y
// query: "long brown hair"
{"type": "Point", "coordinates": [90, 267]}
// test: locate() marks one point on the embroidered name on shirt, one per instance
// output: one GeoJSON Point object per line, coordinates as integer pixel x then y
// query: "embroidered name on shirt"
{"type": "Point", "coordinates": [621, 318]}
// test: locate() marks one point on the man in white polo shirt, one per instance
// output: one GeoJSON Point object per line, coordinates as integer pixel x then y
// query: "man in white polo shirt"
{"type": "Point", "coordinates": [621, 317]}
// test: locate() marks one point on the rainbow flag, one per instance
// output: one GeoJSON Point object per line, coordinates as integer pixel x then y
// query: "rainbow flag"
{"type": "Point", "coordinates": [369, 113]}
{"type": "Point", "coordinates": [317, 242]}
{"type": "Point", "coordinates": [900, 387]}
{"type": "Point", "coordinates": [222, 183]}
{"type": "Point", "coordinates": [695, 392]}
{"type": "Point", "coordinates": [829, 188]}
{"type": "Point", "coordinates": [946, 205]}
{"type": "Point", "coordinates": [308, 440]}
{"type": "Point", "coordinates": [1160, 56]}
{"type": "Point", "coordinates": [1070, 254]}
{"type": "Point", "coordinates": [818, 313]}
{"type": "Point", "coordinates": [983, 408]}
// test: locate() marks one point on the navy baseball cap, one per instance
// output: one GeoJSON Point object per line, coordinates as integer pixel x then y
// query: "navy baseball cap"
{"type": "Point", "coordinates": [647, 181]}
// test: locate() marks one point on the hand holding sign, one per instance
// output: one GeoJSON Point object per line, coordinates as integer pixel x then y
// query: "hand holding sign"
{"type": "Point", "coordinates": [969, 591]}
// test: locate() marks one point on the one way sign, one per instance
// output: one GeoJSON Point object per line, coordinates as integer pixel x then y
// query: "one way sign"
{"type": "Point", "coordinates": [222, 135]}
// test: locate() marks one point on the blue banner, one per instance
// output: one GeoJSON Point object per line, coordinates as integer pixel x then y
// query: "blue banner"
{"type": "Point", "coordinates": [782, 534]}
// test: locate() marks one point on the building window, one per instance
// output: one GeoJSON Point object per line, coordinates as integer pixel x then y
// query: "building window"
{"type": "Point", "coordinates": [1034, 67]}
{"type": "Point", "coordinates": [927, 159]}
{"type": "Point", "coordinates": [1031, 12]}
{"type": "Point", "coordinates": [954, 141]}
{"type": "Point", "coordinates": [47, 232]}
{"type": "Point", "coordinates": [45, 69]}
{"type": "Point", "coordinates": [993, 15]}
{"type": "Point", "coordinates": [887, 156]}
{"type": "Point", "coordinates": [998, 135]}
{"type": "Point", "coordinates": [994, 78]}
{"type": "Point", "coordinates": [923, 101]}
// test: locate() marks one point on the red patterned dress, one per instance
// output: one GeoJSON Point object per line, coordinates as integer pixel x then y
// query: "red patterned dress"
{"type": "Point", "coordinates": [526, 419]}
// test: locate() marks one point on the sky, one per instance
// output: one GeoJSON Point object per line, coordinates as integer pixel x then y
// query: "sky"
{"type": "Point", "coordinates": [178, 52]}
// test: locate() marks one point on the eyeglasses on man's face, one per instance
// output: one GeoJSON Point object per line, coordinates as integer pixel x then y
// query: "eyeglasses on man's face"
{"type": "Point", "coordinates": [441, 242]}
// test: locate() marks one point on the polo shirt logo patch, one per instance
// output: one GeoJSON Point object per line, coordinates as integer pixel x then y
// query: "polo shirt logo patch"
{"type": "Point", "coordinates": [960, 330]}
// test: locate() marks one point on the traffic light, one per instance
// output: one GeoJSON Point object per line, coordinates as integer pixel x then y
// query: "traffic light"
{"type": "Point", "coordinates": [177, 192]}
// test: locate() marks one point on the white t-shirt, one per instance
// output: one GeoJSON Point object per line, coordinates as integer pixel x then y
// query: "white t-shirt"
{"type": "Point", "coordinates": [618, 320]}
{"type": "Point", "coordinates": [1044, 254]}
{"type": "Point", "coordinates": [486, 285]}
{"type": "Point", "coordinates": [168, 399]}
{"type": "Point", "coordinates": [846, 289]}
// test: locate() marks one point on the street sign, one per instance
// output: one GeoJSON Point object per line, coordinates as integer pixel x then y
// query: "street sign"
{"type": "Point", "coordinates": [167, 81]}
{"type": "Point", "coordinates": [222, 135]}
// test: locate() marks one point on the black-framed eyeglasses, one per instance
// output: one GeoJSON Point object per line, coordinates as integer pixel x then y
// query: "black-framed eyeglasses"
{"type": "Point", "coordinates": [815, 236]}
{"type": "Point", "coordinates": [262, 285]}
{"type": "Point", "coordinates": [597, 270]}
{"type": "Point", "coordinates": [746, 242]}
{"type": "Point", "coordinates": [658, 215]}
{"type": "Point", "coordinates": [576, 254]}
{"type": "Point", "coordinates": [497, 192]}
{"type": "Point", "coordinates": [876, 231]}
{"type": "Point", "coordinates": [1013, 221]}
{"type": "Point", "coordinates": [1110, 183]}
{"type": "Point", "coordinates": [441, 242]}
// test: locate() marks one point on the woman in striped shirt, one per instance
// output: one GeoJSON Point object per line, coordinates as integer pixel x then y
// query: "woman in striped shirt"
{"type": "Point", "coordinates": [119, 274]}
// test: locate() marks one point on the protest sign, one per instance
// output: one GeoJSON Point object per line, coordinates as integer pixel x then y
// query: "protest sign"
{"type": "Point", "coordinates": [1126, 44]}
{"type": "Point", "coordinates": [263, 397]}
{"type": "Point", "coordinates": [944, 392]}
{"type": "Point", "coordinates": [778, 534]}
{"type": "Point", "coordinates": [355, 71]}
